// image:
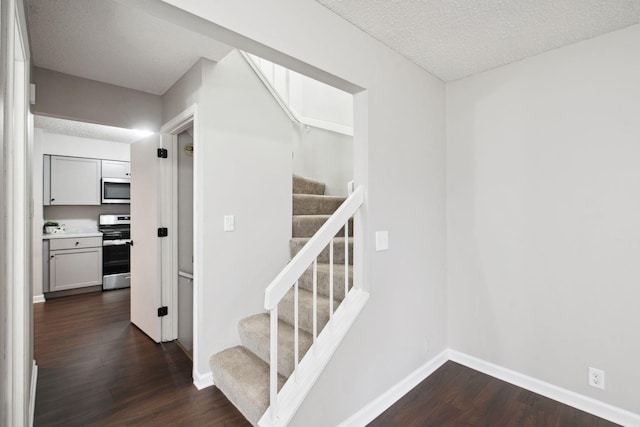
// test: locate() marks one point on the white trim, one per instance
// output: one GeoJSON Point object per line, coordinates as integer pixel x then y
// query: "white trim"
{"type": "Point", "coordinates": [38, 298]}
{"type": "Point", "coordinates": [181, 122]}
{"type": "Point", "coordinates": [376, 407]}
{"type": "Point", "coordinates": [330, 126]}
{"type": "Point", "coordinates": [202, 381]}
{"type": "Point", "coordinates": [579, 401]}
{"type": "Point", "coordinates": [32, 400]}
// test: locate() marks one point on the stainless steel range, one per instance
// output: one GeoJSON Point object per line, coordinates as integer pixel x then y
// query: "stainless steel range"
{"type": "Point", "coordinates": [116, 251]}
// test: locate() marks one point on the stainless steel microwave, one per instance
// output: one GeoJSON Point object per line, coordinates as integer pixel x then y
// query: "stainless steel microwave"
{"type": "Point", "coordinates": [116, 190]}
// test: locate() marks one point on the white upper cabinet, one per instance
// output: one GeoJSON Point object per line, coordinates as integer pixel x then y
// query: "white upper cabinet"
{"type": "Point", "coordinates": [75, 181]}
{"type": "Point", "coordinates": [116, 169]}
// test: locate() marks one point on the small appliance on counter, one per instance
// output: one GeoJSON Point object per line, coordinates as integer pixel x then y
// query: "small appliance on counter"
{"type": "Point", "coordinates": [52, 227]}
{"type": "Point", "coordinates": [116, 251]}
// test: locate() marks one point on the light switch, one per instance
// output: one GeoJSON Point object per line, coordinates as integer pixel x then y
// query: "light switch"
{"type": "Point", "coordinates": [229, 223]}
{"type": "Point", "coordinates": [382, 240]}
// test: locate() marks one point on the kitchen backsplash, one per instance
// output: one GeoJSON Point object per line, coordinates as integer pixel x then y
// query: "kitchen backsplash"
{"type": "Point", "coordinates": [81, 218]}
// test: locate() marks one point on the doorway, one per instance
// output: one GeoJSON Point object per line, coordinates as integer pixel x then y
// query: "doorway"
{"type": "Point", "coordinates": [184, 177]}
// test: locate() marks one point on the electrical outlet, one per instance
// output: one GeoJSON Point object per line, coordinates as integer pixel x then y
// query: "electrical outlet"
{"type": "Point", "coordinates": [596, 378]}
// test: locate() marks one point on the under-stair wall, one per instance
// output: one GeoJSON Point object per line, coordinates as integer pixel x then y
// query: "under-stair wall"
{"type": "Point", "coordinates": [242, 168]}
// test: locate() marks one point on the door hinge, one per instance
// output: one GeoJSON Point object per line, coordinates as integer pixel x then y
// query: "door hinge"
{"type": "Point", "coordinates": [163, 232]}
{"type": "Point", "coordinates": [163, 311]}
{"type": "Point", "coordinates": [163, 153]}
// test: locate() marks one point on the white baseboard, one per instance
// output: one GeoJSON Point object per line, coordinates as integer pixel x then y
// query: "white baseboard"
{"type": "Point", "coordinates": [584, 403]}
{"type": "Point", "coordinates": [32, 393]}
{"type": "Point", "coordinates": [578, 401]}
{"type": "Point", "coordinates": [202, 381]}
{"type": "Point", "coordinates": [391, 396]}
{"type": "Point", "coordinates": [38, 298]}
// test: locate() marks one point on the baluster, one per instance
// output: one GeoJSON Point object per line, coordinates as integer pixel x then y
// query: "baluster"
{"type": "Point", "coordinates": [315, 299]}
{"type": "Point", "coordinates": [273, 372]}
{"type": "Point", "coordinates": [295, 328]}
{"type": "Point", "coordinates": [346, 258]}
{"type": "Point", "coordinates": [331, 279]}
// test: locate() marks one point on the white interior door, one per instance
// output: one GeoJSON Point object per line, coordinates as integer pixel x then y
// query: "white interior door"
{"type": "Point", "coordinates": [146, 283]}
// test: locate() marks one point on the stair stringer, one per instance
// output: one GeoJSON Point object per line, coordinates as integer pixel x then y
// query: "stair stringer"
{"type": "Point", "coordinates": [295, 390]}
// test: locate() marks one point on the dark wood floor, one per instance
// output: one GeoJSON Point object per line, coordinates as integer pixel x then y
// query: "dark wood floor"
{"type": "Point", "coordinates": [456, 396]}
{"type": "Point", "coordinates": [96, 369]}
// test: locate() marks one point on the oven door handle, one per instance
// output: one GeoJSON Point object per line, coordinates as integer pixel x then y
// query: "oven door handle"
{"type": "Point", "coordinates": [117, 242]}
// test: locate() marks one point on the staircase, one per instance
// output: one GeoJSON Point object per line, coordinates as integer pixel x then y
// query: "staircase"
{"type": "Point", "coordinates": [243, 372]}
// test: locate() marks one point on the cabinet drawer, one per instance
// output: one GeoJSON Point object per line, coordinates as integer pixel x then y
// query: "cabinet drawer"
{"type": "Point", "coordinates": [77, 243]}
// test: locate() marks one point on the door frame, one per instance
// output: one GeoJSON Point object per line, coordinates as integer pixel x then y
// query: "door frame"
{"type": "Point", "coordinates": [17, 368]}
{"type": "Point", "coordinates": [169, 206]}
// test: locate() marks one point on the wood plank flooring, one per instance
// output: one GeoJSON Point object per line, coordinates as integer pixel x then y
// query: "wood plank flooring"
{"type": "Point", "coordinates": [456, 396]}
{"type": "Point", "coordinates": [96, 369]}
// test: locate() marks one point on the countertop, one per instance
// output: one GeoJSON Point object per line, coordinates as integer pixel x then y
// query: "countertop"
{"type": "Point", "coordinates": [72, 235]}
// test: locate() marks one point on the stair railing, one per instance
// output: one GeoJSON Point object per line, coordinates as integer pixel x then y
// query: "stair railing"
{"type": "Point", "coordinates": [284, 404]}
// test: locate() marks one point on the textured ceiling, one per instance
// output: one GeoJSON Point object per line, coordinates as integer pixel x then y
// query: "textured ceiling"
{"type": "Point", "coordinates": [457, 38]}
{"type": "Point", "coordinates": [88, 130]}
{"type": "Point", "coordinates": [110, 42]}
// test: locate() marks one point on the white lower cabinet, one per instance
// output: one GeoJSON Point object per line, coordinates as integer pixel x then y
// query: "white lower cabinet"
{"type": "Point", "coordinates": [74, 263]}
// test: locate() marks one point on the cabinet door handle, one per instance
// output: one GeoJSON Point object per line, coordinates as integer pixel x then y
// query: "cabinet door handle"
{"type": "Point", "coordinates": [77, 243]}
{"type": "Point", "coordinates": [131, 243]}
{"type": "Point", "coordinates": [52, 256]}
{"type": "Point", "coordinates": [52, 199]}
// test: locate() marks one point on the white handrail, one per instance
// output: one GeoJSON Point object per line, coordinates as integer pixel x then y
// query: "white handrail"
{"type": "Point", "coordinates": [297, 266]}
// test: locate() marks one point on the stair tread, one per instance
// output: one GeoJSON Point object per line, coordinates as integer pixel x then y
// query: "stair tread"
{"type": "Point", "coordinates": [335, 240]}
{"type": "Point", "coordinates": [244, 378]}
{"type": "Point", "coordinates": [307, 196]}
{"type": "Point", "coordinates": [304, 185]}
{"type": "Point", "coordinates": [308, 225]}
{"type": "Point", "coordinates": [255, 333]}
{"type": "Point", "coordinates": [315, 204]}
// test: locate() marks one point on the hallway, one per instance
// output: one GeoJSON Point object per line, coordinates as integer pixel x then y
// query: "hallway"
{"type": "Point", "coordinates": [95, 368]}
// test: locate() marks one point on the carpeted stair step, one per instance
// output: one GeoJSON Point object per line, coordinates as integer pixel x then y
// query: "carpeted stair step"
{"type": "Point", "coordinates": [305, 309]}
{"type": "Point", "coordinates": [297, 243]}
{"type": "Point", "coordinates": [308, 225]}
{"type": "Point", "coordinates": [255, 333]}
{"type": "Point", "coordinates": [306, 280]}
{"type": "Point", "coordinates": [313, 204]}
{"type": "Point", "coordinates": [302, 185]}
{"type": "Point", "coordinates": [244, 378]}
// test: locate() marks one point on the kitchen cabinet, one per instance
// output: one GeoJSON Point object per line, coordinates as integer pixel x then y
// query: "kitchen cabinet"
{"type": "Point", "coordinates": [116, 169]}
{"type": "Point", "coordinates": [73, 181]}
{"type": "Point", "coordinates": [74, 263]}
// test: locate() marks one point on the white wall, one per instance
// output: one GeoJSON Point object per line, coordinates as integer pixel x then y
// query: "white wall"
{"type": "Point", "coordinates": [400, 157]}
{"type": "Point", "coordinates": [65, 145]}
{"type": "Point", "coordinates": [543, 202]}
{"type": "Point", "coordinates": [184, 92]}
{"type": "Point", "coordinates": [325, 156]}
{"type": "Point", "coordinates": [318, 101]}
{"type": "Point", "coordinates": [242, 168]}
{"type": "Point", "coordinates": [45, 142]}
{"type": "Point", "coordinates": [75, 98]}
